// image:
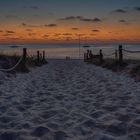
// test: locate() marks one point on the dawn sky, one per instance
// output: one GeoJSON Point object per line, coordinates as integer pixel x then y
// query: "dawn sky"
{"type": "Point", "coordinates": [61, 21]}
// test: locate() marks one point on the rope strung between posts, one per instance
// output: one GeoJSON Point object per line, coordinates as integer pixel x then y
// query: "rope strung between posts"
{"type": "Point", "coordinates": [95, 54]}
{"type": "Point", "coordinates": [29, 56]}
{"type": "Point", "coordinates": [10, 69]}
{"type": "Point", "coordinates": [129, 56]}
{"type": "Point", "coordinates": [109, 54]}
{"type": "Point", "coordinates": [128, 51]}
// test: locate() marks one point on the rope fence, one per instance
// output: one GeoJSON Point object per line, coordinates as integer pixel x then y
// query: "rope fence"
{"type": "Point", "coordinates": [110, 54]}
{"type": "Point", "coordinates": [14, 67]}
{"type": "Point", "coordinates": [128, 51]}
{"type": "Point", "coordinates": [118, 54]}
{"type": "Point", "coordinates": [27, 58]}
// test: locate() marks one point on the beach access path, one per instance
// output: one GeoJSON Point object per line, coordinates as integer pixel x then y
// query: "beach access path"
{"type": "Point", "coordinates": [72, 100]}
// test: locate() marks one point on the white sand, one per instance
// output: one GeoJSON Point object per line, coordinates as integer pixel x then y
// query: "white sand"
{"type": "Point", "coordinates": [69, 100]}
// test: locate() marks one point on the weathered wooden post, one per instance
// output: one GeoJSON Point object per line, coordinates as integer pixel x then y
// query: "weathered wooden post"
{"type": "Point", "coordinates": [87, 55]}
{"type": "Point", "coordinates": [120, 54]}
{"type": "Point", "coordinates": [24, 58]}
{"type": "Point", "coordinates": [43, 56]}
{"type": "Point", "coordinates": [38, 56]}
{"type": "Point", "coordinates": [116, 55]}
{"type": "Point", "coordinates": [90, 56]}
{"type": "Point", "coordinates": [101, 56]}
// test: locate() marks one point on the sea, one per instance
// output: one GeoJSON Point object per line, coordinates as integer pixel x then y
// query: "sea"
{"type": "Point", "coordinates": [73, 51]}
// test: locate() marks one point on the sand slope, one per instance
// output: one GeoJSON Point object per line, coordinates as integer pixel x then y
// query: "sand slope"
{"type": "Point", "coordinates": [69, 100]}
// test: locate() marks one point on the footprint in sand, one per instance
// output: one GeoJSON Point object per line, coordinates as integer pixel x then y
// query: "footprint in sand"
{"type": "Point", "coordinates": [97, 114]}
{"type": "Point", "coordinates": [137, 121]}
{"type": "Point", "coordinates": [40, 131]}
{"type": "Point", "coordinates": [117, 128]}
{"type": "Point", "coordinates": [9, 135]}
{"type": "Point", "coordinates": [6, 119]}
{"type": "Point", "coordinates": [60, 135]}
{"type": "Point", "coordinates": [122, 117]}
{"type": "Point", "coordinates": [48, 114]}
{"type": "Point", "coordinates": [54, 126]}
{"type": "Point", "coordinates": [89, 124]}
{"type": "Point", "coordinates": [100, 136]}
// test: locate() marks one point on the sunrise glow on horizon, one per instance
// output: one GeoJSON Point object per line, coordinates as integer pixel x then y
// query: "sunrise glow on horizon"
{"type": "Point", "coordinates": [62, 21]}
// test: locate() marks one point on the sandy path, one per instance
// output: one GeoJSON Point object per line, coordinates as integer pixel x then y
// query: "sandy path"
{"type": "Point", "coordinates": [69, 100]}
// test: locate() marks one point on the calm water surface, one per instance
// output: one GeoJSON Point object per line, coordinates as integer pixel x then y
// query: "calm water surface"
{"type": "Point", "coordinates": [73, 51]}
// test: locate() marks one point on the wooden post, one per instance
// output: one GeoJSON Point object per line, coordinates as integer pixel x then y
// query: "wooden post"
{"type": "Point", "coordinates": [101, 56]}
{"type": "Point", "coordinates": [116, 55]}
{"type": "Point", "coordinates": [43, 56]}
{"type": "Point", "coordinates": [87, 55]}
{"type": "Point", "coordinates": [90, 56]}
{"type": "Point", "coordinates": [38, 56]}
{"type": "Point", "coordinates": [120, 54]}
{"type": "Point", "coordinates": [24, 58]}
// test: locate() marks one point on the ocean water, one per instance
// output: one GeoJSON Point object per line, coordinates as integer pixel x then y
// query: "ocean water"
{"type": "Point", "coordinates": [73, 51]}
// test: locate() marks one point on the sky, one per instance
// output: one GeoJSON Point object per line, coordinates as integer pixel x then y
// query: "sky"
{"type": "Point", "coordinates": [64, 21]}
